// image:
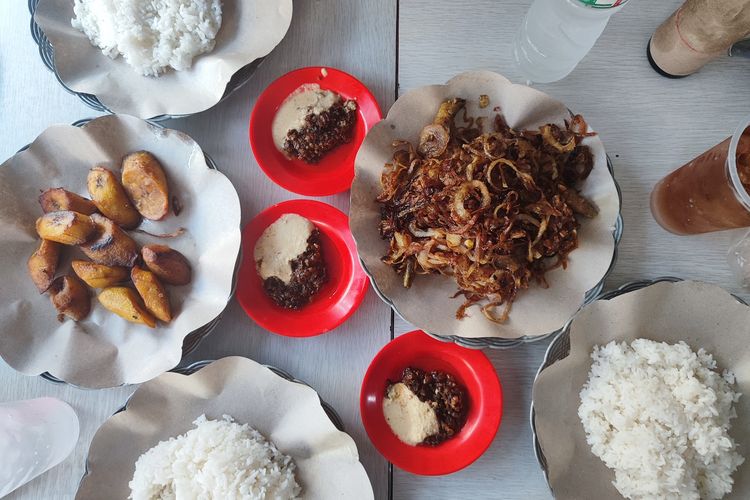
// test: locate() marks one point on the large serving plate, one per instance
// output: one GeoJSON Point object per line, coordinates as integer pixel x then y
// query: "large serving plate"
{"type": "Point", "coordinates": [663, 309]}
{"type": "Point", "coordinates": [194, 339]}
{"type": "Point", "coordinates": [430, 304]}
{"type": "Point", "coordinates": [105, 350]}
{"type": "Point", "coordinates": [100, 90]}
{"type": "Point", "coordinates": [284, 410]}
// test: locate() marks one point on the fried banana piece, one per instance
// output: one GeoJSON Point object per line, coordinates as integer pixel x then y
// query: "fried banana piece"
{"type": "Point", "coordinates": [98, 275]}
{"type": "Point", "coordinates": [111, 199]}
{"type": "Point", "coordinates": [167, 264]}
{"type": "Point", "coordinates": [144, 181]}
{"type": "Point", "coordinates": [66, 227]}
{"type": "Point", "coordinates": [152, 292]}
{"type": "Point", "coordinates": [43, 263]}
{"type": "Point", "coordinates": [111, 246]}
{"type": "Point", "coordinates": [126, 303]}
{"type": "Point", "coordinates": [70, 297]}
{"type": "Point", "coordinates": [56, 199]}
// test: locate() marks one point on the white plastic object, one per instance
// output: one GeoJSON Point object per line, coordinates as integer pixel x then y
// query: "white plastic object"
{"type": "Point", "coordinates": [556, 34]}
{"type": "Point", "coordinates": [35, 435]}
{"type": "Point", "coordinates": [738, 259]}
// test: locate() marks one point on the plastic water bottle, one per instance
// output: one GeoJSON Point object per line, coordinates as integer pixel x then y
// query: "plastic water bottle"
{"type": "Point", "coordinates": [556, 34]}
{"type": "Point", "coordinates": [35, 435]}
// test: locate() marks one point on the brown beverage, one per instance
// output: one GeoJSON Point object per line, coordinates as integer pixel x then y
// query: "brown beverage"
{"type": "Point", "coordinates": [710, 193]}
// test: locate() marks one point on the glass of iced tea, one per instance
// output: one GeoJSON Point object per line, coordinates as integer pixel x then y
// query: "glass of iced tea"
{"type": "Point", "coordinates": [710, 193]}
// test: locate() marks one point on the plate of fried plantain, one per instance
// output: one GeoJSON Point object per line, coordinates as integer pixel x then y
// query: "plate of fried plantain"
{"type": "Point", "coordinates": [116, 242]}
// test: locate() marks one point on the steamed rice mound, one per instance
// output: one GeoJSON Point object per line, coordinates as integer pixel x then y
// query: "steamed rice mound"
{"type": "Point", "coordinates": [659, 415]}
{"type": "Point", "coordinates": [219, 459]}
{"type": "Point", "coordinates": [152, 35]}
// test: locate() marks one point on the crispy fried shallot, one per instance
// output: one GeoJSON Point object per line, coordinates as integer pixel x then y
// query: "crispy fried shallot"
{"type": "Point", "coordinates": [494, 210]}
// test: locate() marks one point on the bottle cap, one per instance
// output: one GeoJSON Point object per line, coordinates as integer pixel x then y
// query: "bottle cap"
{"type": "Point", "coordinates": [603, 4]}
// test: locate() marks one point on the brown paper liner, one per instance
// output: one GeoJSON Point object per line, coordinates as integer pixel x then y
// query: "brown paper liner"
{"type": "Point", "coordinates": [702, 315]}
{"type": "Point", "coordinates": [249, 30]}
{"type": "Point", "coordinates": [104, 350]}
{"type": "Point", "coordinates": [430, 303]}
{"type": "Point", "coordinates": [287, 413]}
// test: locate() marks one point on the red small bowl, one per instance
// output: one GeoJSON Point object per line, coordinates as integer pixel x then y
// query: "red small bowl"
{"type": "Point", "coordinates": [335, 171]}
{"type": "Point", "coordinates": [332, 305]}
{"type": "Point", "coordinates": [472, 369]}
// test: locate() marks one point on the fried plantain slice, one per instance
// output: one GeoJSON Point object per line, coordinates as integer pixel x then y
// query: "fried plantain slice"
{"type": "Point", "coordinates": [70, 297]}
{"type": "Point", "coordinates": [145, 182]}
{"type": "Point", "coordinates": [56, 199]}
{"type": "Point", "coordinates": [168, 264]}
{"type": "Point", "coordinates": [152, 292]}
{"type": "Point", "coordinates": [43, 263]}
{"type": "Point", "coordinates": [126, 303]}
{"type": "Point", "coordinates": [66, 227]}
{"type": "Point", "coordinates": [111, 199]}
{"type": "Point", "coordinates": [98, 275]}
{"type": "Point", "coordinates": [111, 246]}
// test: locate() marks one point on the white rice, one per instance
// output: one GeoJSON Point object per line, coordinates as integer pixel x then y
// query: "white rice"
{"type": "Point", "coordinates": [218, 460]}
{"type": "Point", "coordinates": [659, 416]}
{"type": "Point", "coordinates": [152, 35]}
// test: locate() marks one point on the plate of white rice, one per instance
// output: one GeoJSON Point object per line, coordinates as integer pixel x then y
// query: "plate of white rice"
{"type": "Point", "coordinates": [156, 58]}
{"type": "Point", "coordinates": [216, 459]}
{"type": "Point", "coordinates": [152, 36]}
{"type": "Point", "coordinates": [650, 399]}
{"type": "Point", "coordinates": [234, 430]}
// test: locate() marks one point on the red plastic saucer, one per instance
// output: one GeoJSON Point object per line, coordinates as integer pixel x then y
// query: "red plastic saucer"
{"type": "Point", "coordinates": [473, 370]}
{"type": "Point", "coordinates": [335, 172]}
{"type": "Point", "coordinates": [331, 306]}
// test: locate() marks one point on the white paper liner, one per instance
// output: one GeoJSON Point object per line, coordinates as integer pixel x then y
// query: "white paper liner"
{"type": "Point", "coordinates": [104, 350]}
{"type": "Point", "coordinates": [287, 413]}
{"type": "Point", "coordinates": [702, 315]}
{"type": "Point", "coordinates": [428, 304]}
{"type": "Point", "coordinates": [249, 30]}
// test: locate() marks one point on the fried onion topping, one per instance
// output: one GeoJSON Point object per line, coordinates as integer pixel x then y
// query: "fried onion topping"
{"type": "Point", "coordinates": [496, 211]}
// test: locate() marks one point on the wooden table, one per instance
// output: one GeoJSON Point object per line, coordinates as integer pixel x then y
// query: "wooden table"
{"type": "Point", "coordinates": [649, 125]}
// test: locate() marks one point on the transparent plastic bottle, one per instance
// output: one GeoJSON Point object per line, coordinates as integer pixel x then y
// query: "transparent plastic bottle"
{"type": "Point", "coordinates": [35, 435]}
{"type": "Point", "coordinates": [556, 34]}
{"type": "Point", "coordinates": [738, 258]}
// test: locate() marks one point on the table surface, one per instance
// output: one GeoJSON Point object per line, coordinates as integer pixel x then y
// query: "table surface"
{"type": "Point", "coordinates": [649, 125]}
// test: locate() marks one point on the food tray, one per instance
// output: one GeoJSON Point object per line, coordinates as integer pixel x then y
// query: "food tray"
{"type": "Point", "coordinates": [47, 53]}
{"type": "Point", "coordinates": [559, 348]}
{"type": "Point", "coordinates": [197, 365]}
{"type": "Point", "coordinates": [194, 338]}
{"type": "Point", "coordinates": [500, 343]}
